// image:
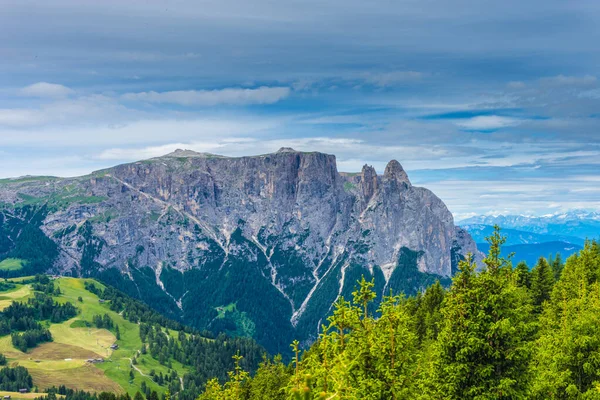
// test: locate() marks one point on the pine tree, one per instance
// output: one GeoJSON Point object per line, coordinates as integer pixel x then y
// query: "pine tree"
{"type": "Point", "coordinates": [567, 360]}
{"type": "Point", "coordinates": [557, 266]}
{"type": "Point", "coordinates": [542, 281]}
{"type": "Point", "coordinates": [523, 276]}
{"type": "Point", "coordinates": [482, 351]}
{"type": "Point", "coordinates": [269, 380]}
{"type": "Point", "coordinates": [153, 396]}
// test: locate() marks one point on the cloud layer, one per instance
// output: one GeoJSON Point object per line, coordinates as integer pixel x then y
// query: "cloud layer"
{"type": "Point", "coordinates": [493, 105]}
{"type": "Point", "coordinates": [228, 96]}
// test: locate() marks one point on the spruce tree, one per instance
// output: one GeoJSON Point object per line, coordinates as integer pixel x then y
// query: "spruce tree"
{"type": "Point", "coordinates": [522, 275]}
{"type": "Point", "coordinates": [482, 351]}
{"type": "Point", "coordinates": [567, 360]}
{"type": "Point", "coordinates": [557, 266]}
{"type": "Point", "coordinates": [542, 282]}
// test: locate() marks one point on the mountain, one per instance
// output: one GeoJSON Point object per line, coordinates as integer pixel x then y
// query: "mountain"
{"type": "Point", "coordinates": [578, 223]}
{"type": "Point", "coordinates": [516, 237]}
{"type": "Point", "coordinates": [259, 246]}
{"type": "Point", "coordinates": [530, 253]}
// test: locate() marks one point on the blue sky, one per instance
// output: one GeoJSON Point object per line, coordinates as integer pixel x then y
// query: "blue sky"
{"type": "Point", "coordinates": [494, 105]}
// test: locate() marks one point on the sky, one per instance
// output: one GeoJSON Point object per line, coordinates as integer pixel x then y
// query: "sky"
{"type": "Point", "coordinates": [493, 105]}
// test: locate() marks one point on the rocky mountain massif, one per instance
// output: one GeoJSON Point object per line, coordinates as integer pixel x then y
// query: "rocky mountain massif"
{"type": "Point", "coordinates": [259, 246]}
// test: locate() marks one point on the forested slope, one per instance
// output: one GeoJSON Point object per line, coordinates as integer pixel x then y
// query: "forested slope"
{"type": "Point", "coordinates": [501, 332]}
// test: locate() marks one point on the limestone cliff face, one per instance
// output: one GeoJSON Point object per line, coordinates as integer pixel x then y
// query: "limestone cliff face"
{"type": "Point", "coordinates": [290, 214]}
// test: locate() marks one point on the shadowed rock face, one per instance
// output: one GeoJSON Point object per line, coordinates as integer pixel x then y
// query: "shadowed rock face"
{"type": "Point", "coordinates": [289, 214]}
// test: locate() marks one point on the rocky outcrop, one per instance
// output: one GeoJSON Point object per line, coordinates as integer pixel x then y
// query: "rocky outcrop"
{"type": "Point", "coordinates": [291, 215]}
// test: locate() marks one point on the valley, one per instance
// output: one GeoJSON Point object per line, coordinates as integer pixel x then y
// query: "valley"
{"type": "Point", "coordinates": [64, 361]}
{"type": "Point", "coordinates": [115, 359]}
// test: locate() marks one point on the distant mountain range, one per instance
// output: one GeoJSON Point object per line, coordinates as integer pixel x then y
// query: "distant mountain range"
{"type": "Point", "coordinates": [517, 237]}
{"type": "Point", "coordinates": [530, 253]}
{"type": "Point", "coordinates": [531, 237]}
{"type": "Point", "coordinates": [578, 223]}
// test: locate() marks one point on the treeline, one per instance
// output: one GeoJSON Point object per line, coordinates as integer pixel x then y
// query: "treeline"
{"type": "Point", "coordinates": [30, 338]}
{"type": "Point", "coordinates": [170, 381]}
{"type": "Point", "coordinates": [42, 283]}
{"type": "Point", "coordinates": [4, 286]}
{"type": "Point", "coordinates": [22, 238]}
{"type": "Point", "coordinates": [499, 332]}
{"type": "Point", "coordinates": [134, 310]}
{"type": "Point", "coordinates": [208, 356]}
{"type": "Point", "coordinates": [14, 379]}
{"type": "Point", "coordinates": [40, 307]}
{"type": "Point", "coordinates": [70, 394]}
{"type": "Point", "coordinates": [25, 317]}
{"type": "Point", "coordinates": [103, 321]}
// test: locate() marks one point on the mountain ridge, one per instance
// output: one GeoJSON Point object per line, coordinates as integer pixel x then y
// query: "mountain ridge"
{"type": "Point", "coordinates": [583, 224]}
{"type": "Point", "coordinates": [284, 225]}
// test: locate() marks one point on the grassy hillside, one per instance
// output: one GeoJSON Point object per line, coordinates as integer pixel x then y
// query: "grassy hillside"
{"type": "Point", "coordinates": [11, 264]}
{"type": "Point", "coordinates": [64, 360]}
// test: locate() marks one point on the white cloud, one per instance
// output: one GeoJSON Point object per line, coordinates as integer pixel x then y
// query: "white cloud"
{"type": "Point", "coordinates": [67, 111]}
{"type": "Point", "coordinates": [516, 85]}
{"type": "Point", "coordinates": [135, 133]}
{"type": "Point", "coordinates": [487, 122]}
{"type": "Point", "coordinates": [228, 96]}
{"type": "Point", "coordinates": [45, 89]}
{"type": "Point", "coordinates": [19, 117]}
{"type": "Point", "coordinates": [155, 151]}
{"type": "Point", "coordinates": [564, 80]}
{"type": "Point", "coordinates": [391, 78]}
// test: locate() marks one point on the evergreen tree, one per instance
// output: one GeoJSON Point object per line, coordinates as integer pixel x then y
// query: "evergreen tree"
{"type": "Point", "coordinates": [426, 310]}
{"type": "Point", "coordinates": [523, 276]}
{"type": "Point", "coordinates": [557, 266]}
{"type": "Point", "coordinates": [270, 380]}
{"type": "Point", "coordinates": [482, 351]}
{"type": "Point", "coordinates": [478, 340]}
{"type": "Point", "coordinates": [542, 281]}
{"type": "Point", "coordinates": [567, 361]}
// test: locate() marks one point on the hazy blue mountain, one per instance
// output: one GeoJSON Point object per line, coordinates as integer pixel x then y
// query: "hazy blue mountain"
{"type": "Point", "coordinates": [515, 236]}
{"type": "Point", "coordinates": [579, 223]}
{"type": "Point", "coordinates": [530, 253]}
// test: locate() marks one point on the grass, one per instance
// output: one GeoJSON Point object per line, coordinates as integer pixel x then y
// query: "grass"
{"type": "Point", "coordinates": [50, 365]}
{"type": "Point", "coordinates": [29, 179]}
{"type": "Point", "coordinates": [244, 325]}
{"type": "Point", "coordinates": [21, 279]}
{"type": "Point", "coordinates": [19, 293]}
{"type": "Point", "coordinates": [11, 264]}
{"type": "Point", "coordinates": [63, 361]}
{"type": "Point", "coordinates": [118, 362]}
{"type": "Point", "coordinates": [19, 396]}
{"type": "Point", "coordinates": [61, 199]}
{"type": "Point", "coordinates": [231, 307]}
{"type": "Point", "coordinates": [9, 351]}
{"type": "Point", "coordinates": [94, 340]}
{"type": "Point", "coordinates": [87, 377]}
{"type": "Point", "coordinates": [61, 351]}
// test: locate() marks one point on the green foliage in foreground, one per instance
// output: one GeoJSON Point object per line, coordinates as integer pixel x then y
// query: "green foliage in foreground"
{"type": "Point", "coordinates": [497, 333]}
